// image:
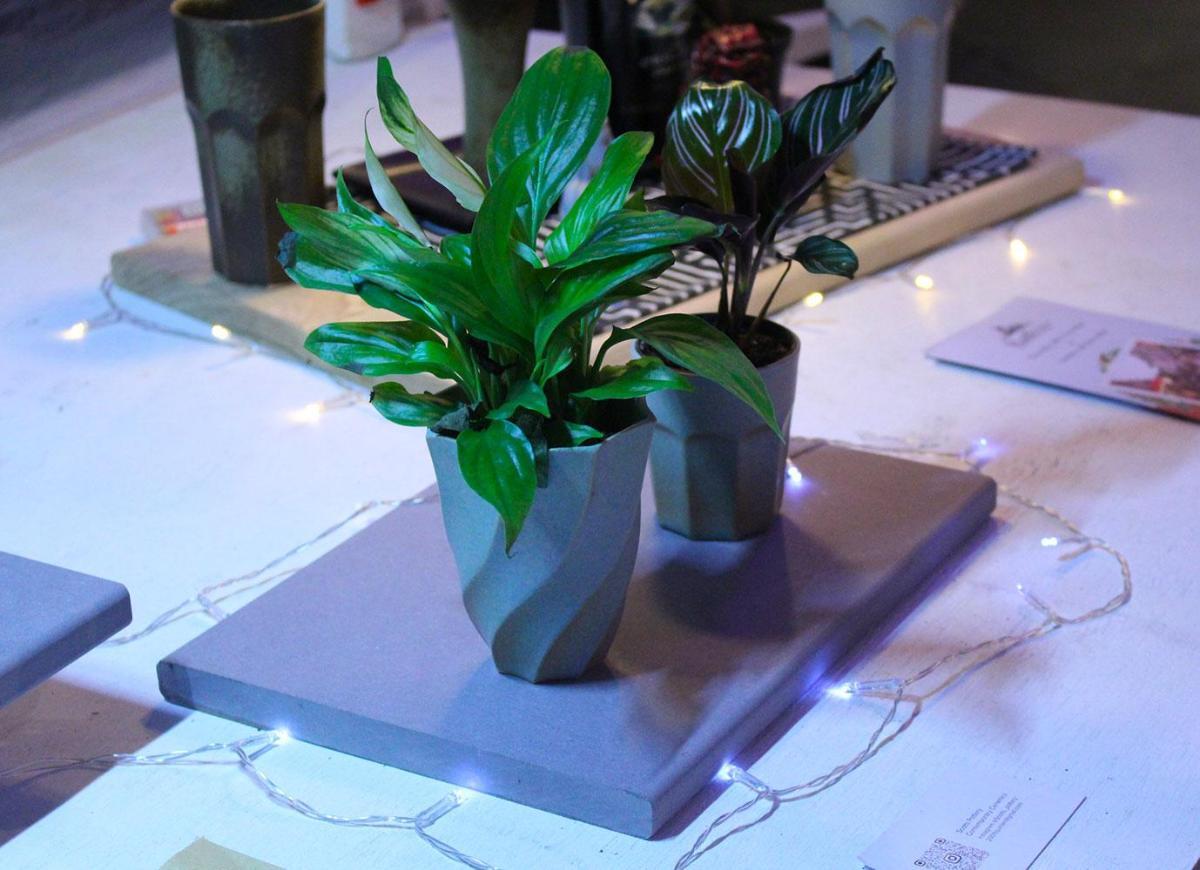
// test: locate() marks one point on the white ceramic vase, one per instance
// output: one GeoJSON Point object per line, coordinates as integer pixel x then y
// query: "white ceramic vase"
{"type": "Point", "coordinates": [903, 138]}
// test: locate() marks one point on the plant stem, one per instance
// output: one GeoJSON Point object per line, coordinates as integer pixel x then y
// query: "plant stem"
{"type": "Point", "coordinates": [767, 305]}
{"type": "Point", "coordinates": [723, 321]}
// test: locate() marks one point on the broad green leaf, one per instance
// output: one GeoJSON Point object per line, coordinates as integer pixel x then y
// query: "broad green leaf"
{"type": "Point", "coordinates": [387, 196]}
{"type": "Point", "coordinates": [522, 394]}
{"type": "Point", "coordinates": [711, 127]}
{"type": "Point", "coordinates": [561, 100]}
{"type": "Point", "coordinates": [566, 433]}
{"type": "Point", "coordinates": [624, 233]}
{"type": "Point", "coordinates": [578, 290]}
{"type": "Point", "coordinates": [637, 378]}
{"type": "Point", "coordinates": [606, 192]}
{"type": "Point", "coordinates": [495, 236]}
{"type": "Point", "coordinates": [394, 347]}
{"type": "Point", "coordinates": [822, 255]}
{"type": "Point", "coordinates": [449, 287]}
{"type": "Point", "coordinates": [581, 433]}
{"type": "Point", "coordinates": [309, 267]}
{"type": "Point", "coordinates": [405, 304]}
{"type": "Point", "coordinates": [497, 463]}
{"type": "Point", "coordinates": [819, 127]}
{"type": "Point", "coordinates": [410, 409]}
{"type": "Point", "coordinates": [346, 203]}
{"type": "Point", "coordinates": [407, 129]}
{"type": "Point", "coordinates": [350, 242]}
{"type": "Point", "coordinates": [457, 248]}
{"type": "Point", "coordinates": [554, 358]}
{"type": "Point", "coordinates": [825, 120]}
{"type": "Point", "coordinates": [693, 344]}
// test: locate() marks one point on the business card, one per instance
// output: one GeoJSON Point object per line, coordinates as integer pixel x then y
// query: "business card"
{"type": "Point", "coordinates": [1149, 364]}
{"type": "Point", "coordinates": [973, 823]}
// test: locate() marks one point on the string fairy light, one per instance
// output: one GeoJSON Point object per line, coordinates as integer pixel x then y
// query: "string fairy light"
{"type": "Point", "coordinates": [900, 691]}
{"type": "Point", "coordinates": [207, 602]}
{"type": "Point", "coordinates": [246, 751]}
{"type": "Point", "coordinates": [353, 393]}
{"type": "Point", "coordinates": [896, 691]}
{"type": "Point", "coordinates": [75, 332]}
{"type": "Point", "coordinates": [1019, 251]}
{"type": "Point", "coordinates": [812, 300]}
{"type": "Point", "coordinates": [312, 412]}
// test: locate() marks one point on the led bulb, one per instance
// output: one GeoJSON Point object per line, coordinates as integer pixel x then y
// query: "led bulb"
{"type": "Point", "coordinates": [310, 413]}
{"type": "Point", "coordinates": [221, 333]}
{"type": "Point", "coordinates": [282, 736]}
{"type": "Point", "coordinates": [1116, 196]}
{"type": "Point", "coordinates": [75, 332]}
{"type": "Point", "coordinates": [923, 282]}
{"type": "Point", "coordinates": [1050, 541]}
{"type": "Point", "coordinates": [1018, 250]}
{"type": "Point", "coordinates": [842, 690]}
{"type": "Point", "coordinates": [812, 300]}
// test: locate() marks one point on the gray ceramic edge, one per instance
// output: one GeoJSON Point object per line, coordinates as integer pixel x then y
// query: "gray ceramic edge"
{"type": "Point", "coordinates": [262, 708]}
{"type": "Point", "coordinates": [116, 615]}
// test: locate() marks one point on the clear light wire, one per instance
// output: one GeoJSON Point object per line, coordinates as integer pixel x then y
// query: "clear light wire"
{"type": "Point", "coordinates": [115, 313]}
{"type": "Point", "coordinates": [206, 602]}
{"type": "Point", "coordinates": [896, 691]}
{"type": "Point", "coordinates": [246, 751]}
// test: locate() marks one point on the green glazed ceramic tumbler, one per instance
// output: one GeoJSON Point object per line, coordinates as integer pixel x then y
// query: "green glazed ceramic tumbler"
{"type": "Point", "coordinates": [254, 82]}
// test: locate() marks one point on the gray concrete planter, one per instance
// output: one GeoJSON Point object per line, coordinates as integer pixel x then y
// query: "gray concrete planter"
{"type": "Point", "coordinates": [718, 470]}
{"type": "Point", "coordinates": [550, 608]}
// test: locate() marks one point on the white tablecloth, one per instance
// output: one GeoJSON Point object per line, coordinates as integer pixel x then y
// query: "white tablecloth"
{"type": "Point", "coordinates": [168, 464]}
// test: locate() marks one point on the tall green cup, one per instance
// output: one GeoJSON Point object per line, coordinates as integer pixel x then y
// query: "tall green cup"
{"type": "Point", "coordinates": [254, 83]}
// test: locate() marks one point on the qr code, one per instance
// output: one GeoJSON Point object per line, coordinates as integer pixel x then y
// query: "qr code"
{"type": "Point", "coordinates": [945, 854]}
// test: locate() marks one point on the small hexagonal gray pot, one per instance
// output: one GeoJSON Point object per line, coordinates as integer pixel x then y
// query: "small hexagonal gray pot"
{"type": "Point", "coordinates": [718, 469]}
{"type": "Point", "coordinates": [549, 609]}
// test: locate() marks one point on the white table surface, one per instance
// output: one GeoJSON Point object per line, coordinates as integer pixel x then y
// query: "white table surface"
{"type": "Point", "coordinates": [167, 465]}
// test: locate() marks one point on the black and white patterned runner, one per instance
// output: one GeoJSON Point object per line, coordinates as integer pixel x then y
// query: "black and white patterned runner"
{"type": "Point", "coordinates": [846, 205]}
{"type": "Point", "coordinates": [843, 206]}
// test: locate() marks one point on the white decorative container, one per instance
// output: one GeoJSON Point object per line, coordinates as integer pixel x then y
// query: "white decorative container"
{"type": "Point", "coordinates": [903, 138]}
{"type": "Point", "coordinates": [356, 29]}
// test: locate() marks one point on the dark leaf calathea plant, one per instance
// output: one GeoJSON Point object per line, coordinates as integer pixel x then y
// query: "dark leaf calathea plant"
{"type": "Point", "coordinates": [511, 324]}
{"type": "Point", "coordinates": [730, 158]}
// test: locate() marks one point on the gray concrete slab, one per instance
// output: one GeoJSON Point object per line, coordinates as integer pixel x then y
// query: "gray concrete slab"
{"type": "Point", "coordinates": [368, 650]}
{"type": "Point", "coordinates": [49, 617]}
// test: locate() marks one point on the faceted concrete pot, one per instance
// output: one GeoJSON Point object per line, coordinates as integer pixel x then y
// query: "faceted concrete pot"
{"type": "Point", "coordinates": [718, 470]}
{"type": "Point", "coordinates": [254, 83]}
{"type": "Point", "coordinates": [902, 140]}
{"type": "Point", "coordinates": [549, 609]}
